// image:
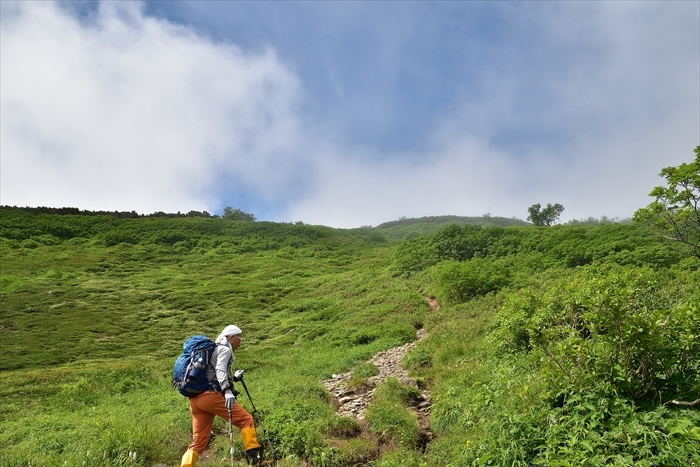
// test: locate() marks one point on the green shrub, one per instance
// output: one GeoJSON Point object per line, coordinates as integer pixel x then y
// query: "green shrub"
{"type": "Point", "coordinates": [325, 456]}
{"type": "Point", "coordinates": [30, 243]}
{"type": "Point", "coordinates": [293, 437]}
{"type": "Point", "coordinates": [47, 239]}
{"type": "Point", "coordinates": [597, 427]}
{"type": "Point", "coordinates": [414, 255]}
{"type": "Point", "coordinates": [117, 237]}
{"type": "Point", "coordinates": [565, 246]}
{"type": "Point", "coordinates": [461, 281]}
{"type": "Point", "coordinates": [460, 243]}
{"type": "Point", "coordinates": [393, 391]}
{"type": "Point", "coordinates": [624, 326]}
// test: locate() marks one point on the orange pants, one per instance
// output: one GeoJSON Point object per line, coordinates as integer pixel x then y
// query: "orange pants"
{"type": "Point", "coordinates": [209, 404]}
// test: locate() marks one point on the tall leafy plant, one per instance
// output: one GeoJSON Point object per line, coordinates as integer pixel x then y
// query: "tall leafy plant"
{"type": "Point", "coordinates": [631, 328]}
{"type": "Point", "coordinates": [675, 213]}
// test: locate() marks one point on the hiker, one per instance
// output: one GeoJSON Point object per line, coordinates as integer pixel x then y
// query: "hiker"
{"type": "Point", "coordinates": [218, 400]}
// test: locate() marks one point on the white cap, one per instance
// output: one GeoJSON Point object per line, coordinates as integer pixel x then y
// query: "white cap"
{"type": "Point", "coordinates": [229, 330]}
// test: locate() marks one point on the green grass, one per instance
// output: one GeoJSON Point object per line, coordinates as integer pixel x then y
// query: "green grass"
{"type": "Point", "coordinates": [94, 310]}
{"type": "Point", "coordinates": [390, 417]}
{"type": "Point", "coordinates": [81, 320]}
{"type": "Point", "coordinates": [361, 373]}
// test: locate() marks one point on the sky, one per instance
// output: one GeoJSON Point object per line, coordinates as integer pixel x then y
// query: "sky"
{"type": "Point", "coordinates": [346, 113]}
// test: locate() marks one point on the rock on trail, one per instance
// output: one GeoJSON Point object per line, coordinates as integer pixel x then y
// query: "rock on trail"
{"type": "Point", "coordinates": [353, 402]}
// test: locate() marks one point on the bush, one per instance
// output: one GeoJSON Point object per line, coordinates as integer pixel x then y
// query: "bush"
{"type": "Point", "coordinates": [414, 255]}
{"type": "Point", "coordinates": [564, 246]}
{"type": "Point", "coordinates": [625, 326]}
{"type": "Point", "coordinates": [115, 238]}
{"type": "Point", "coordinates": [461, 281]}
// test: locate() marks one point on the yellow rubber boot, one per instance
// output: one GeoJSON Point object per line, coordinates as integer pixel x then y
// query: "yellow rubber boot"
{"type": "Point", "coordinates": [189, 458]}
{"type": "Point", "coordinates": [249, 438]}
{"type": "Point", "coordinates": [253, 450]}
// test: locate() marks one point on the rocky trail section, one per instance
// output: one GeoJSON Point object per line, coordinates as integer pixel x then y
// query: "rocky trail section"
{"type": "Point", "coordinates": [353, 402]}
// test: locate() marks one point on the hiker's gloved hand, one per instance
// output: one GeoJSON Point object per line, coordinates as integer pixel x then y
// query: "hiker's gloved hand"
{"type": "Point", "coordinates": [230, 398]}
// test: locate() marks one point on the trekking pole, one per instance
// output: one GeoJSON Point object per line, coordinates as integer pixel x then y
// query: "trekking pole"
{"type": "Point", "coordinates": [248, 394]}
{"type": "Point", "coordinates": [238, 377]}
{"type": "Point", "coordinates": [230, 435]}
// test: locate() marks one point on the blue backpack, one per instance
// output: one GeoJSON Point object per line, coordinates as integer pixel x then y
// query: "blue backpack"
{"type": "Point", "coordinates": [190, 370]}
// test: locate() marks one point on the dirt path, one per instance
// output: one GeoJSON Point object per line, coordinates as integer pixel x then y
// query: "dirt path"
{"type": "Point", "coordinates": [353, 402]}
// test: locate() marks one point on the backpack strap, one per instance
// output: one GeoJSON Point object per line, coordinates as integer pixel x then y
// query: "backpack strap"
{"type": "Point", "coordinates": [214, 384]}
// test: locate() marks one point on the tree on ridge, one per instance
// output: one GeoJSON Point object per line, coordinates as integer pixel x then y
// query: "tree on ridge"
{"type": "Point", "coordinates": [237, 215]}
{"type": "Point", "coordinates": [546, 216]}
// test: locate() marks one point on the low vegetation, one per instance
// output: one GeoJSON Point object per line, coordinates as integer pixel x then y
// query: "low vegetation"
{"type": "Point", "coordinates": [563, 345]}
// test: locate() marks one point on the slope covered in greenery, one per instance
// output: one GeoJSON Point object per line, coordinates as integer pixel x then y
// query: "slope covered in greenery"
{"type": "Point", "coordinates": [577, 346]}
{"type": "Point", "coordinates": [553, 346]}
{"type": "Point", "coordinates": [406, 228]}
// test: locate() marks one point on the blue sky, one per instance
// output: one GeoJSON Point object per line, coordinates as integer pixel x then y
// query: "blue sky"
{"type": "Point", "coordinates": [346, 113]}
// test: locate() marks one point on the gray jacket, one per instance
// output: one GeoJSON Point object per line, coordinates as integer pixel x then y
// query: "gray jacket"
{"type": "Point", "coordinates": [219, 368]}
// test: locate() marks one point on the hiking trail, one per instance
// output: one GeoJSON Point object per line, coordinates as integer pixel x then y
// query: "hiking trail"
{"type": "Point", "coordinates": [353, 402]}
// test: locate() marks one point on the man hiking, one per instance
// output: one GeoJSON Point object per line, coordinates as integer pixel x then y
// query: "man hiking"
{"type": "Point", "coordinates": [220, 399]}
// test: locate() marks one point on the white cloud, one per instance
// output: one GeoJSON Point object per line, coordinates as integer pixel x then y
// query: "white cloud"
{"type": "Point", "coordinates": [625, 106]}
{"type": "Point", "coordinates": [635, 105]}
{"type": "Point", "coordinates": [122, 111]}
{"type": "Point", "coordinates": [465, 178]}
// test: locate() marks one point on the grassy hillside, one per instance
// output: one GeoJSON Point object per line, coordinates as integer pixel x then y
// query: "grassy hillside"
{"type": "Point", "coordinates": [406, 228]}
{"type": "Point", "coordinates": [548, 339]}
{"type": "Point", "coordinates": [561, 345]}
{"type": "Point", "coordinates": [95, 297]}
